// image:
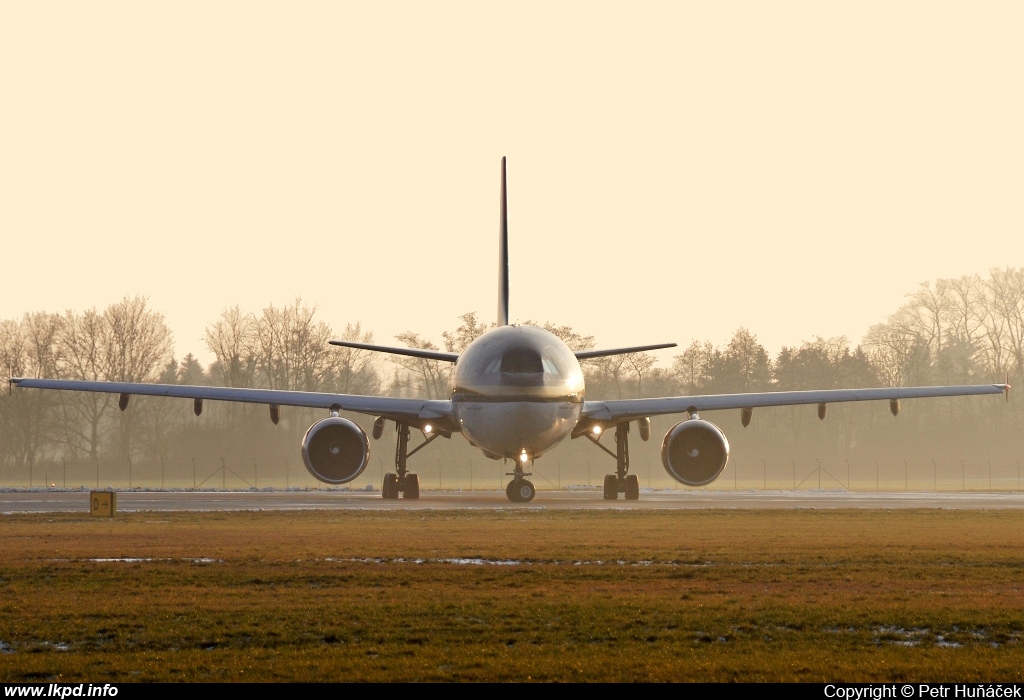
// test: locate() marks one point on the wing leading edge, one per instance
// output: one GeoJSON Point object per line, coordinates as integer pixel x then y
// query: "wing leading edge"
{"type": "Point", "coordinates": [621, 410]}
{"type": "Point", "coordinates": [407, 410]}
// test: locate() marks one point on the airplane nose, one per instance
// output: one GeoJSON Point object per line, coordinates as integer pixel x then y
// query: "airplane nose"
{"type": "Point", "coordinates": [514, 428]}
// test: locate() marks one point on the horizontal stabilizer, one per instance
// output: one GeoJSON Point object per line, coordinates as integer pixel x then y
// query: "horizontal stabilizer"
{"type": "Point", "coordinates": [410, 352]}
{"type": "Point", "coordinates": [590, 354]}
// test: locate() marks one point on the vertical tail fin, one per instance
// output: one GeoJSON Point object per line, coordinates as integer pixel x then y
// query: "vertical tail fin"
{"type": "Point", "coordinates": [503, 253]}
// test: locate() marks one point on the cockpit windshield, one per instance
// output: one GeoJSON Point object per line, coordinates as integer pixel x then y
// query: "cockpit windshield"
{"type": "Point", "coordinates": [521, 361]}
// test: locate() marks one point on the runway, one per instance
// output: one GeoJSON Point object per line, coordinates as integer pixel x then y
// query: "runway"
{"type": "Point", "coordinates": [54, 501]}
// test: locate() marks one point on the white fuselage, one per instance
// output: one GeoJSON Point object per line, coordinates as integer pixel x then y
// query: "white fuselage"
{"type": "Point", "coordinates": [517, 390]}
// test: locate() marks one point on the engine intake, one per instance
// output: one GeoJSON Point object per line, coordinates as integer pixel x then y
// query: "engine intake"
{"type": "Point", "coordinates": [695, 452]}
{"type": "Point", "coordinates": [335, 450]}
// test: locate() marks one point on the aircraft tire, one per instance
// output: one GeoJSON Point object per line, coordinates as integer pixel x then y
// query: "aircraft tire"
{"type": "Point", "coordinates": [412, 487]}
{"type": "Point", "coordinates": [525, 491]}
{"type": "Point", "coordinates": [632, 488]}
{"type": "Point", "coordinates": [390, 488]}
{"type": "Point", "coordinates": [611, 487]}
{"type": "Point", "coordinates": [511, 492]}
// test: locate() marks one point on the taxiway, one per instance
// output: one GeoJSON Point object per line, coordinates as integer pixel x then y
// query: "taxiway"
{"type": "Point", "coordinates": [40, 501]}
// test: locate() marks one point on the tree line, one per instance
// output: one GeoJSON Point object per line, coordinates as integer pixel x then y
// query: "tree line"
{"type": "Point", "coordinates": [965, 330]}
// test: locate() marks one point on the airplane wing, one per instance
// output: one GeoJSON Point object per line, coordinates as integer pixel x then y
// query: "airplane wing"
{"type": "Point", "coordinates": [413, 411]}
{"type": "Point", "coordinates": [622, 410]}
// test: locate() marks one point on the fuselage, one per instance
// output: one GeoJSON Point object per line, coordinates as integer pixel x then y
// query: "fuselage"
{"type": "Point", "coordinates": [517, 390]}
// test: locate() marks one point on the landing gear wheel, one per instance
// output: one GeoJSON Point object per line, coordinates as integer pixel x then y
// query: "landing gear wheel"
{"type": "Point", "coordinates": [524, 491]}
{"type": "Point", "coordinates": [510, 492]}
{"type": "Point", "coordinates": [611, 487]}
{"type": "Point", "coordinates": [390, 489]}
{"type": "Point", "coordinates": [412, 487]}
{"type": "Point", "coordinates": [632, 488]}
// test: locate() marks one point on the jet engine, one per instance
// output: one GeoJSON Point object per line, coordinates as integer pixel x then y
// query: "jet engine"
{"type": "Point", "coordinates": [335, 450]}
{"type": "Point", "coordinates": [695, 452]}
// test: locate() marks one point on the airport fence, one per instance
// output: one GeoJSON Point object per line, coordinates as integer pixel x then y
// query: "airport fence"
{"type": "Point", "coordinates": [550, 474]}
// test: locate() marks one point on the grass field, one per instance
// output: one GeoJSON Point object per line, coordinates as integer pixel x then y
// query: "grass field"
{"type": "Point", "coordinates": [548, 595]}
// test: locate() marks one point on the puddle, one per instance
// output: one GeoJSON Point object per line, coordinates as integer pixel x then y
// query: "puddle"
{"type": "Point", "coordinates": [140, 560]}
{"type": "Point", "coordinates": [478, 561]}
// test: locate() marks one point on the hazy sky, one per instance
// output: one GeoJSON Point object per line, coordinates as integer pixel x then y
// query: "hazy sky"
{"type": "Point", "coordinates": [676, 170]}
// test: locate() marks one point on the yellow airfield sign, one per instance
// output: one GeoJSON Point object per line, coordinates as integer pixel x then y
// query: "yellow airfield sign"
{"type": "Point", "coordinates": [103, 503]}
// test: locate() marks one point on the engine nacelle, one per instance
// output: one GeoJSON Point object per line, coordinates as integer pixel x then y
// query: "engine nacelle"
{"type": "Point", "coordinates": [335, 450]}
{"type": "Point", "coordinates": [695, 452]}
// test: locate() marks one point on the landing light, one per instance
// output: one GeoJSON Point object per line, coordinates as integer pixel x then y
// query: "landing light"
{"type": "Point", "coordinates": [597, 430]}
{"type": "Point", "coordinates": [524, 457]}
{"type": "Point", "coordinates": [427, 428]}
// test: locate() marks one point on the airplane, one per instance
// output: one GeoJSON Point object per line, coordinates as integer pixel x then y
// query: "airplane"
{"type": "Point", "coordinates": [515, 393]}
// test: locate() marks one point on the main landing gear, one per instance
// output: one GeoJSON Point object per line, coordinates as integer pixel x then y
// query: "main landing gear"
{"type": "Point", "coordinates": [621, 481]}
{"type": "Point", "coordinates": [403, 482]}
{"type": "Point", "coordinates": [520, 490]}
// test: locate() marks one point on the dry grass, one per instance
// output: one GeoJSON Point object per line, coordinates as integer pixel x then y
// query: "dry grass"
{"type": "Point", "coordinates": [695, 595]}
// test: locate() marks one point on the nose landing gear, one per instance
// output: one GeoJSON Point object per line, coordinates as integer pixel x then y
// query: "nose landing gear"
{"type": "Point", "coordinates": [520, 490]}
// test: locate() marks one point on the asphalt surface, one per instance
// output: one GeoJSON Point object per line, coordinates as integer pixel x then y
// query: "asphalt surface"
{"type": "Point", "coordinates": [40, 501]}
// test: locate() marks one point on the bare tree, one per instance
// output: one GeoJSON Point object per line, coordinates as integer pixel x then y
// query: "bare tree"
{"type": "Point", "coordinates": [427, 378]}
{"type": "Point", "coordinates": [356, 369]}
{"type": "Point", "coordinates": [694, 367]}
{"type": "Point", "coordinates": [1006, 288]}
{"type": "Point", "coordinates": [471, 329]}
{"type": "Point", "coordinates": [291, 349]}
{"type": "Point", "coordinates": [30, 349]}
{"type": "Point", "coordinates": [744, 364]}
{"type": "Point", "coordinates": [893, 349]}
{"type": "Point", "coordinates": [139, 347]}
{"type": "Point", "coordinates": [140, 342]}
{"type": "Point", "coordinates": [230, 339]}
{"type": "Point", "coordinates": [85, 340]}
